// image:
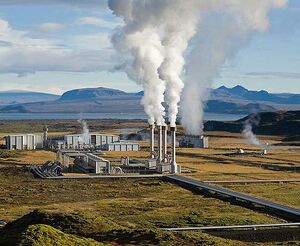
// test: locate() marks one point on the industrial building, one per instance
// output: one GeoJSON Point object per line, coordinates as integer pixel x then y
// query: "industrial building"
{"type": "Point", "coordinates": [24, 142]}
{"type": "Point", "coordinates": [107, 142]}
{"type": "Point", "coordinates": [192, 141]}
{"type": "Point", "coordinates": [77, 141]}
{"type": "Point", "coordinates": [121, 146]}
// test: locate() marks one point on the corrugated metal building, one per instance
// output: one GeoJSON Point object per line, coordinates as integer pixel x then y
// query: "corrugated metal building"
{"type": "Point", "coordinates": [122, 146]}
{"type": "Point", "coordinates": [191, 141]}
{"type": "Point", "coordinates": [24, 142]}
{"type": "Point", "coordinates": [76, 141]}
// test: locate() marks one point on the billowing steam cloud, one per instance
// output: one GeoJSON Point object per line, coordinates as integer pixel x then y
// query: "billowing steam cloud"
{"type": "Point", "coordinates": [85, 138]}
{"type": "Point", "coordinates": [141, 46]}
{"type": "Point", "coordinates": [168, 45]}
{"type": "Point", "coordinates": [224, 31]}
{"type": "Point", "coordinates": [248, 131]}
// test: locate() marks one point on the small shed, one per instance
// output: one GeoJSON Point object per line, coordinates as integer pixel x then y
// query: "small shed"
{"type": "Point", "coordinates": [192, 141]}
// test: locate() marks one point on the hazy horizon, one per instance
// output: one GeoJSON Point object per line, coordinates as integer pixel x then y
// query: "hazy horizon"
{"type": "Point", "coordinates": [135, 91]}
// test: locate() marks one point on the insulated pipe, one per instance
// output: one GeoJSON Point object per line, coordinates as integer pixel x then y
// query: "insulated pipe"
{"type": "Point", "coordinates": [152, 128]}
{"type": "Point", "coordinates": [159, 144]}
{"type": "Point", "coordinates": [165, 143]}
{"type": "Point", "coordinates": [173, 160]}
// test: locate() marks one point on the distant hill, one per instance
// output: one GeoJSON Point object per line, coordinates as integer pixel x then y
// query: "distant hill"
{"type": "Point", "coordinates": [240, 93]}
{"type": "Point", "coordinates": [16, 97]}
{"type": "Point", "coordinates": [92, 94]}
{"type": "Point", "coordinates": [285, 123]}
{"type": "Point", "coordinates": [223, 107]}
{"type": "Point", "coordinates": [236, 100]}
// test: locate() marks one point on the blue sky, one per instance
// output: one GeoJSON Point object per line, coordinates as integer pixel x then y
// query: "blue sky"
{"type": "Point", "coordinates": [57, 45]}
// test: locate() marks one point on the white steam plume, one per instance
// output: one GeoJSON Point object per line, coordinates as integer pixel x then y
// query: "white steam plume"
{"type": "Point", "coordinates": [157, 42]}
{"type": "Point", "coordinates": [248, 131]}
{"type": "Point", "coordinates": [220, 35]}
{"type": "Point", "coordinates": [157, 34]}
{"type": "Point", "coordinates": [140, 44]}
{"type": "Point", "coordinates": [85, 139]}
{"type": "Point", "coordinates": [176, 37]}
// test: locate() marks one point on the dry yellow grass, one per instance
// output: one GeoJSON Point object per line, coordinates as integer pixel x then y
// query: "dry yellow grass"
{"type": "Point", "coordinates": [30, 157]}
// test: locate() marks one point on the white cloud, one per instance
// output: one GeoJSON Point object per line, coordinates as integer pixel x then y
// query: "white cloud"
{"type": "Point", "coordinates": [22, 54]}
{"type": "Point", "coordinates": [94, 41]}
{"type": "Point", "coordinates": [49, 27]}
{"type": "Point", "coordinates": [93, 21]}
{"type": "Point", "coordinates": [73, 3]}
{"type": "Point", "coordinates": [274, 75]}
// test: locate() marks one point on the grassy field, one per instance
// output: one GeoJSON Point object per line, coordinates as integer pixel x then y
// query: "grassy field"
{"type": "Point", "coordinates": [131, 204]}
{"type": "Point", "coordinates": [129, 207]}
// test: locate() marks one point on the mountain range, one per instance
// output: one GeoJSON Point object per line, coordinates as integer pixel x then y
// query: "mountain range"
{"type": "Point", "coordinates": [19, 96]}
{"type": "Point", "coordinates": [236, 100]}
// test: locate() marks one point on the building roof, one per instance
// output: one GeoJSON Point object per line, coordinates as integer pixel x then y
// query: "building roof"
{"type": "Point", "coordinates": [96, 134]}
{"type": "Point", "coordinates": [95, 157]}
{"type": "Point", "coordinates": [123, 143]}
{"type": "Point", "coordinates": [23, 134]}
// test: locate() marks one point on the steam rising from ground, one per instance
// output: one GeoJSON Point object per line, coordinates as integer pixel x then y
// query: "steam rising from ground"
{"type": "Point", "coordinates": [248, 134]}
{"type": "Point", "coordinates": [85, 138]}
{"type": "Point", "coordinates": [248, 131]}
{"type": "Point", "coordinates": [172, 45]}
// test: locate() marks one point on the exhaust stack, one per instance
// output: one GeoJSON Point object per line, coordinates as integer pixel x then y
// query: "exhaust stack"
{"type": "Point", "coordinates": [165, 143]}
{"type": "Point", "coordinates": [45, 136]}
{"type": "Point", "coordinates": [173, 157]}
{"type": "Point", "coordinates": [152, 128]}
{"type": "Point", "coordinates": [160, 140]}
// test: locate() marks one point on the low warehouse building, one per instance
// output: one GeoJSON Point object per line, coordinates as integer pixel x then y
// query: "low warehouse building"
{"type": "Point", "coordinates": [191, 141]}
{"type": "Point", "coordinates": [77, 141]}
{"type": "Point", "coordinates": [24, 142]}
{"type": "Point", "coordinates": [122, 146]}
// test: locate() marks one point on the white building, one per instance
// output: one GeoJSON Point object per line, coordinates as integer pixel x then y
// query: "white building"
{"type": "Point", "coordinates": [122, 146]}
{"type": "Point", "coordinates": [76, 141]}
{"type": "Point", "coordinates": [24, 142]}
{"type": "Point", "coordinates": [191, 141]}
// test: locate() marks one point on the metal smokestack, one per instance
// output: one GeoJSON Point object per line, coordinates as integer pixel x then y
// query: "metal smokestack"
{"type": "Point", "coordinates": [45, 136]}
{"type": "Point", "coordinates": [173, 157]}
{"type": "Point", "coordinates": [160, 143]}
{"type": "Point", "coordinates": [165, 143]}
{"type": "Point", "coordinates": [152, 129]}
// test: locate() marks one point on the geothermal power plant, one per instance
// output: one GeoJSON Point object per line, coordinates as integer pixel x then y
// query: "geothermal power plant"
{"type": "Point", "coordinates": [85, 153]}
